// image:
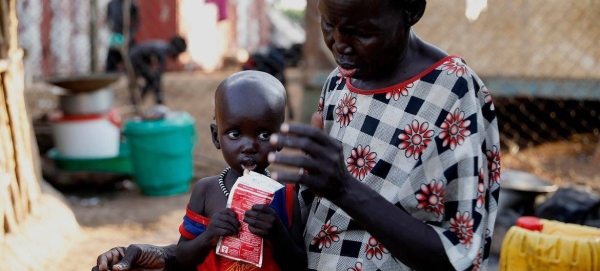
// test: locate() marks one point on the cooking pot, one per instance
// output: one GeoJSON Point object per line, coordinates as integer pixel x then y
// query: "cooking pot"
{"type": "Point", "coordinates": [95, 102]}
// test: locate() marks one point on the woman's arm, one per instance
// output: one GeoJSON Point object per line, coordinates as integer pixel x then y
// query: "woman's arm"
{"type": "Point", "coordinates": [411, 241]}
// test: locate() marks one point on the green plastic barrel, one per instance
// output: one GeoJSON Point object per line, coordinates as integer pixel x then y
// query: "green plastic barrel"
{"type": "Point", "coordinates": [161, 153]}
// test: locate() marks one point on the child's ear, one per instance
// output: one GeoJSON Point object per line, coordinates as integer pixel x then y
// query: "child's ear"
{"type": "Point", "coordinates": [214, 133]}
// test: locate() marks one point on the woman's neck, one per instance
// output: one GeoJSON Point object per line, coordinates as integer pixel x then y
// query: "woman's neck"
{"type": "Point", "coordinates": [417, 57]}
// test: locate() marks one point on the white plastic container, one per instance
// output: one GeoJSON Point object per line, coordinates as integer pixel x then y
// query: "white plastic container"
{"type": "Point", "coordinates": [87, 136]}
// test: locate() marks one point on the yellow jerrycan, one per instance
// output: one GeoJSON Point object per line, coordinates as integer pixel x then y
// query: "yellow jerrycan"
{"type": "Point", "coordinates": [539, 244]}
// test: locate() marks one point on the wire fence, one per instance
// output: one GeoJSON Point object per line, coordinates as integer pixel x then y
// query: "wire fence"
{"type": "Point", "coordinates": [540, 60]}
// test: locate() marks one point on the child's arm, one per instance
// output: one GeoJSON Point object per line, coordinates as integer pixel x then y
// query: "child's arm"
{"type": "Point", "coordinates": [191, 252]}
{"type": "Point", "coordinates": [288, 247]}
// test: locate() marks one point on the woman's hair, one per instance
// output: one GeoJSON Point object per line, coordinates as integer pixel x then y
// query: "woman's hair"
{"type": "Point", "coordinates": [399, 5]}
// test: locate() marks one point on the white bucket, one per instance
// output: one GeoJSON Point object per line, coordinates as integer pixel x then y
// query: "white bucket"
{"type": "Point", "coordinates": [87, 136]}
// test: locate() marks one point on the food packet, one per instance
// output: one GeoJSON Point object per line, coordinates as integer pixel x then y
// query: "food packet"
{"type": "Point", "coordinates": [248, 190]}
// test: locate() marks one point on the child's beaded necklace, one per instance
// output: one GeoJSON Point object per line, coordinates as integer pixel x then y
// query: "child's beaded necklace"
{"type": "Point", "coordinates": [222, 183]}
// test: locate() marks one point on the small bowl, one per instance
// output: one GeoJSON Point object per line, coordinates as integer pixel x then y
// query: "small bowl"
{"type": "Point", "coordinates": [85, 83]}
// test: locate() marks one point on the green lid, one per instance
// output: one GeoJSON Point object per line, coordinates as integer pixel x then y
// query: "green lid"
{"type": "Point", "coordinates": [173, 121]}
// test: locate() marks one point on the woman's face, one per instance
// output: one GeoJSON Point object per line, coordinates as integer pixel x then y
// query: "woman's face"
{"type": "Point", "coordinates": [366, 38]}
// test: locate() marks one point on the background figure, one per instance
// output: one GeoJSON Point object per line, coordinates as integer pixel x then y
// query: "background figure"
{"type": "Point", "coordinates": [148, 61]}
{"type": "Point", "coordinates": [273, 60]}
{"type": "Point", "coordinates": [114, 20]}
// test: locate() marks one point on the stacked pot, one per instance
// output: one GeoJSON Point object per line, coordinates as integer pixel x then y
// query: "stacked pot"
{"type": "Point", "coordinates": [86, 125]}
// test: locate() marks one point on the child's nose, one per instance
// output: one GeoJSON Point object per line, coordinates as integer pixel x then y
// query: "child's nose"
{"type": "Point", "coordinates": [249, 145]}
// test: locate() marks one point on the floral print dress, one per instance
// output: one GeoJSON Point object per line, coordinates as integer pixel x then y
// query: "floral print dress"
{"type": "Point", "coordinates": [430, 146]}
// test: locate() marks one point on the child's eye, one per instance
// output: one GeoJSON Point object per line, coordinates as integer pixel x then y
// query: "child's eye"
{"type": "Point", "coordinates": [264, 136]}
{"type": "Point", "coordinates": [233, 134]}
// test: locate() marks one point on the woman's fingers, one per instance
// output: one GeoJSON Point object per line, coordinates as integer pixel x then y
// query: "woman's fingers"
{"type": "Point", "coordinates": [302, 161]}
{"type": "Point", "coordinates": [303, 130]}
{"type": "Point", "coordinates": [294, 178]}
{"type": "Point", "coordinates": [294, 142]}
{"type": "Point", "coordinates": [107, 259]}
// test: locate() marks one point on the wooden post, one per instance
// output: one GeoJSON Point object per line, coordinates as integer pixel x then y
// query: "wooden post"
{"type": "Point", "coordinates": [93, 35]}
{"type": "Point", "coordinates": [19, 187]}
{"type": "Point", "coordinates": [318, 59]}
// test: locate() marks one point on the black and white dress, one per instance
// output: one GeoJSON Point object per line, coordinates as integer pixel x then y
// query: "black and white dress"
{"type": "Point", "coordinates": [430, 146]}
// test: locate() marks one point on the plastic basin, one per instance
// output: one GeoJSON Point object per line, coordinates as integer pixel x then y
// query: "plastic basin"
{"type": "Point", "coordinates": [161, 153]}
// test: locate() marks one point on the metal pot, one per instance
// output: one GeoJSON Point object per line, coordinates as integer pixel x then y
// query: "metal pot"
{"type": "Point", "coordinates": [96, 102]}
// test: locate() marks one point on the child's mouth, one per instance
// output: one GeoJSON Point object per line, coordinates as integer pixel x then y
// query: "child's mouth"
{"type": "Point", "coordinates": [248, 163]}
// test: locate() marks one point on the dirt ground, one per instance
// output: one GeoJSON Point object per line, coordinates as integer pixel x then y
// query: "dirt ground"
{"type": "Point", "coordinates": [124, 216]}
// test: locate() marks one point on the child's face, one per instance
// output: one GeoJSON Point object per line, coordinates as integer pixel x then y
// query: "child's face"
{"type": "Point", "coordinates": [245, 124]}
{"type": "Point", "coordinates": [361, 35]}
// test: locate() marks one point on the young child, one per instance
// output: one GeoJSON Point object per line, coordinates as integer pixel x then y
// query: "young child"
{"type": "Point", "coordinates": [148, 60]}
{"type": "Point", "coordinates": [249, 108]}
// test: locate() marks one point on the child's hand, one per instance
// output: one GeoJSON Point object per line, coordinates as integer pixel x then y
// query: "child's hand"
{"type": "Point", "coordinates": [223, 223]}
{"type": "Point", "coordinates": [262, 220]}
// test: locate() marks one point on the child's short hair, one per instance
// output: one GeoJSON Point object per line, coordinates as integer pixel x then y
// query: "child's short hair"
{"type": "Point", "coordinates": [179, 44]}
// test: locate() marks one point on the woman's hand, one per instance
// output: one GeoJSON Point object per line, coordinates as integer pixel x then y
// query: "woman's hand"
{"type": "Point", "coordinates": [324, 165]}
{"type": "Point", "coordinates": [262, 220]}
{"type": "Point", "coordinates": [223, 223]}
{"type": "Point", "coordinates": [141, 257]}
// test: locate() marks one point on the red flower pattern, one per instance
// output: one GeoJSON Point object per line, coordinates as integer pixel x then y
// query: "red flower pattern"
{"type": "Point", "coordinates": [321, 105]}
{"type": "Point", "coordinates": [431, 197]}
{"type": "Point", "coordinates": [455, 129]}
{"type": "Point", "coordinates": [493, 161]}
{"type": "Point", "coordinates": [361, 161]}
{"type": "Point", "coordinates": [415, 139]}
{"type": "Point", "coordinates": [357, 267]}
{"type": "Point", "coordinates": [477, 262]}
{"type": "Point", "coordinates": [462, 226]}
{"type": "Point", "coordinates": [480, 189]}
{"type": "Point", "coordinates": [345, 109]}
{"type": "Point", "coordinates": [326, 236]}
{"type": "Point", "coordinates": [456, 66]}
{"type": "Point", "coordinates": [374, 248]}
{"type": "Point", "coordinates": [396, 93]}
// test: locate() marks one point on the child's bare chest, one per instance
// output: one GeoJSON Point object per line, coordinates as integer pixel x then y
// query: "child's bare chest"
{"type": "Point", "coordinates": [214, 202]}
